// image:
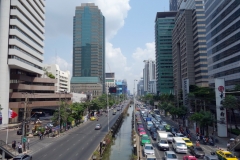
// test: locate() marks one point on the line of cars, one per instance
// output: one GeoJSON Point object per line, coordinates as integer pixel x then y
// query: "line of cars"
{"type": "Point", "coordinates": [164, 134]}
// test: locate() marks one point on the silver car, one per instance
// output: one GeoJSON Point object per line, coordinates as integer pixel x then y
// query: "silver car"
{"type": "Point", "coordinates": [151, 157]}
{"type": "Point", "coordinates": [23, 157]}
{"type": "Point", "coordinates": [148, 149]}
{"type": "Point", "coordinates": [170, 155]}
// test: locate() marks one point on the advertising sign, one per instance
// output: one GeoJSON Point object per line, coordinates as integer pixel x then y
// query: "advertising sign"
{"type": "Point", "coordinates": [220, 110]}
{"type": "Point", "coordinates": [185, 90]}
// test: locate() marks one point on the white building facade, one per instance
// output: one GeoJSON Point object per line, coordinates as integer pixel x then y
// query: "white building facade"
{"type": "Point", "coordinates": [22, 31]}
{"type": "Point", "coordinates": [109, 80]}
{"type": "Point", "coordinates": [149, 73]}
{"type": "Point", "coordinates": [63, 77]}
{"type": "Point", "coordinates": [152, 87]}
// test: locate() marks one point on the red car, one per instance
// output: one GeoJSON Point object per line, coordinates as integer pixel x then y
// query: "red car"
{"type": "Point", "coordinates": [142, 132]}
{"type": "Point", "coordinates": [140, 128]}
{"type": "Point", "coordinates": [188, 157]}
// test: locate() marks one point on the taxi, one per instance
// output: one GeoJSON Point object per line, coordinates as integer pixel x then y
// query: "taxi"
{"type": "Point", "coordinates": [145, 139]}
{"type": "Point", "coordinates": [188, 142]}
{"type": "Point", "coordinates": [92, 118]}
{"type": "Point", "coordinates": [225, 155]}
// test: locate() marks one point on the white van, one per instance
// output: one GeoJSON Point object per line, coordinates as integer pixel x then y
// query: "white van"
{"type": "Point", "coordinates": [149, 125]}
{"type": "Point", "coordinates": [179, 145]}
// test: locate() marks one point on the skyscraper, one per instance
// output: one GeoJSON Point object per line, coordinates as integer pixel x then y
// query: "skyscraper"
{"type": "Point", "coordinates": [173, 5]}
{"type": "Point", "coordinates": [164, 24]}
{"type": "Point", "coordinates": [88, 50]}
{"type": "Point", "coordinates": [149, 74]}
{"type": "Point", "coordinates": [223, 45]}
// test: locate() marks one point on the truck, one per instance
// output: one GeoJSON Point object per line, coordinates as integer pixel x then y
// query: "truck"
{"type": "Point", "coordinates": [162, 140]}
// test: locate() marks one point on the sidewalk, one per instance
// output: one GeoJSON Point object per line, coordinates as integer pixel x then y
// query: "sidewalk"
{"type": "Point", "coordinates": [222, 142]}
{"type": "Point", "coordinates": [36, 144]}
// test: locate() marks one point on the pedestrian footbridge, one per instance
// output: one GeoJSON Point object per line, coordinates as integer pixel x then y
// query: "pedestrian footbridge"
{"type": "Point", "coordinates": [6, 150]}
{"type": "Point", "coordinates": [235, 145]}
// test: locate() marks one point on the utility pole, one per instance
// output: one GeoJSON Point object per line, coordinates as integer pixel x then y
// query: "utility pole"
{"type": "Point", "coordinates": [59, 121]}
{"type": "Point", "coordinates": [26, 102]}
{"type": "Point", "coordinates": [108, 110]}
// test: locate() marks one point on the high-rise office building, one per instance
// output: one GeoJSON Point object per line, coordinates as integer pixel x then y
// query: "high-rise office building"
{"type": "Point", "coordinates": [199, 40]}
{"type": "Point", "coordinates": [164, 24]}
{"type": "Point", "coordinates": [140, 91]}
{"type": "Point", "coordinates": [149, 73]}
{"type": "Point", "coordinates": [223, 45]}
{"type": "Point", "coordinates": [88, 50]}
{"type": "Point", "coordinates": [183, 64]}
{"type": "Point", "coordinates": [173, 5]}
{"type": "Point", "coordinates": [21, 54]}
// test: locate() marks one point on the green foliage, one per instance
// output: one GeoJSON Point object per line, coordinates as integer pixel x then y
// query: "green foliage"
{"type": "Point", "coordinates": [230, 102]}
{"type": "Point", "coordinates": [204, 118]}
{"type": "Point", "coordinates": [50, 75]}
{"type": "Point", "coordinates": [235, 131]}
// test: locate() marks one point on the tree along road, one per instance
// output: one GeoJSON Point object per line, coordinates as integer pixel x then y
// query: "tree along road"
{"type": "Point", "coordinates": [79, 144]}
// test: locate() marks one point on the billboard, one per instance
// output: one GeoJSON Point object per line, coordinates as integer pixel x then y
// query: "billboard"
{"type": "Point", "coordinates": [185, 90]}
{"type": "Point", "coordinates": [221, 112]}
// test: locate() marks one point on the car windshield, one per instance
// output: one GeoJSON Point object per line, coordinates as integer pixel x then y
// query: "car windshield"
{"type": "Point", "coordinates": [198, 149]}
{"type": "Point", "coordinates": [151, 158]}
{"type": "Point", "coordinates": [180, 135]}
{"type": "Point", "coordinates": [187, 141]}
{"type": "Point", "coordinates": [149, 147]}
{"type": "Point", "coordinates": [16, 158]}
{"type": "Point", "coordinates": [163, 141]}
{"type": "Point", "coordinates": [171, 156]}
{"type": "Point", "coordinates": [170, 135]}
{"type": "Point", "coordinates": [181, 144]}
{"type": "Point", "coordinates": [145, 138]}
{"type": "Point", "coordinates": [229, 155]}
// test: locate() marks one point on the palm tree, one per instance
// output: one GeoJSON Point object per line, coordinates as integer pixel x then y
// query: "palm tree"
{"type": "Point", "coordinates": [230, 103]}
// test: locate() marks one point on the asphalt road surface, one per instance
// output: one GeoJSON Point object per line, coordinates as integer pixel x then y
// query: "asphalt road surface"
{"type": "Point", "coordinates": [159, 154]}
{"type": "Point", "coordinates": [79, 144]}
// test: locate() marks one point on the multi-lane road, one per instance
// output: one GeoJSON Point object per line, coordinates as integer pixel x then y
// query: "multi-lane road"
{"type": "Point", "coordinates": [160, 154]}
{"type": "Point", "coordinates": [80, 143]}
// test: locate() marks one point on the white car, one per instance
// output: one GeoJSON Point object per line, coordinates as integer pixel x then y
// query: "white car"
{"type": "Point", "coordinates": [151, 157]}
{"type": "Point", "coordinates": [179, 135]}
{"type": "Point", "coordinates": [163, 144]}
{"type": "Point", "coordinates": [148, 149]}
{"type": "Point", "coordinates": [170, 155]}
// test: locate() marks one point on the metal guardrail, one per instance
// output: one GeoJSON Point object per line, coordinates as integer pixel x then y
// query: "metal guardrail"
{"type": "Point", "coordinates": [8, 149]}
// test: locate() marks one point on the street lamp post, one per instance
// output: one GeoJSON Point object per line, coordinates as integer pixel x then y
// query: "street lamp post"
{"type": "Point", "coordinates": [134, 103]}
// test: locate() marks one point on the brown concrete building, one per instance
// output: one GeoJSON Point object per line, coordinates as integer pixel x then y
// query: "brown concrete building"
{"type": "Point", "coordinates": [38, 92]}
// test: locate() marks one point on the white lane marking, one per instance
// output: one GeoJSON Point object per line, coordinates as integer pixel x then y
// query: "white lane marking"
{"type": "Point", "coordinates": [76, 154]}
{"type": "Point", "coordinates": [45, 155]}
{"type": "Point", "coordinates": [54, 149]}
{"type": "Point", "coordinates": [60, 155]}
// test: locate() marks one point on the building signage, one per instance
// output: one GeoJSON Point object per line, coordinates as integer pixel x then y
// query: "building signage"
{"type": "Point", "coordinates": [185, 89]}
{"type": "Point", "coordinates": [220, 110]}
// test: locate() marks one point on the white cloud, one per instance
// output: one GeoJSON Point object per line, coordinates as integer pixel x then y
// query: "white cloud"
{"type": "Point", "coordinates": [59, 18]}
{"type": "Point", "coordinates": [128, 69]}
{"type": "Point", "coordinates": [63, 64]}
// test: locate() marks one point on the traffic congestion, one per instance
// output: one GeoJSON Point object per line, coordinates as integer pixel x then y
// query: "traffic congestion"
{"type": "Point", "coordinates": [161, 140]}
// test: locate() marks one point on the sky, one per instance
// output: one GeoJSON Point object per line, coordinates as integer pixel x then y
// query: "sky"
{"type": "Point", "coordinates": [129, 34]}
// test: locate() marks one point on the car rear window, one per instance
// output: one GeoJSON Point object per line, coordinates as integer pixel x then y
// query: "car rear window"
{"type": "Point", "coordinates": [171, 156]}
{"type": "Point", "coordinates": [16, 158]}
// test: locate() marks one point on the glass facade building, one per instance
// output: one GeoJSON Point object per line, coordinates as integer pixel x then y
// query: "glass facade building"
{"type": "Point", "coordinates": [88, 45]}
{"type": "Point", "coordinates": [173, 5]}
{"type": "Point", "coordinates": [164, 24]}
{"type": "Point", "coordinates": [223, 41]}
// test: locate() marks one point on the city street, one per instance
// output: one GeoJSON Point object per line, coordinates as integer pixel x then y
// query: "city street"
{"type": "Point", "coordinates": [79, 144]}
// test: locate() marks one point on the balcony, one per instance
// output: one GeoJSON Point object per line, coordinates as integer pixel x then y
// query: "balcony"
{"type": "Point", "coordinates": [32, 87]}
{"type": "Point", "coordinates": [35, 104]}
{"type": "Point", "coordinates": [32, 79]}
{"type": "Point", "coordinates": [40, 95]}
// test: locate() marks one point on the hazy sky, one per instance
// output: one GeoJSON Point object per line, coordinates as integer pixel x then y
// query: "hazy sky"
{"type": "Point", "coordinates": [129, 34]}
